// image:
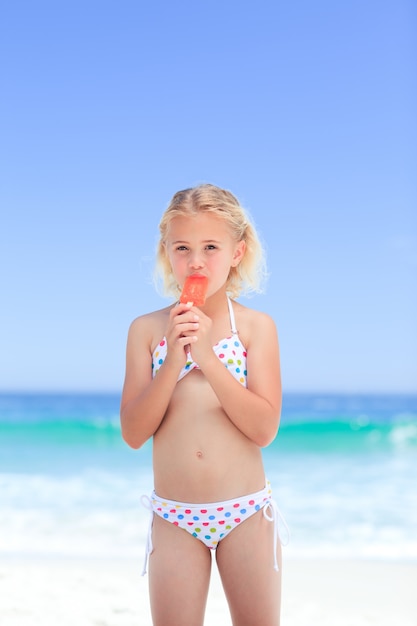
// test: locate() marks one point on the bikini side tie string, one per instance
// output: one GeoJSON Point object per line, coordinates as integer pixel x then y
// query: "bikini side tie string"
{"type": "Point", "coordinates": [272, 513]}
{"type": "Point", "coordinates": [147, 503]}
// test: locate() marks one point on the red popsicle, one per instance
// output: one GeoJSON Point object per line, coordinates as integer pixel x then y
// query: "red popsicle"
{"type": "Point", "coordinates": [194, 290]}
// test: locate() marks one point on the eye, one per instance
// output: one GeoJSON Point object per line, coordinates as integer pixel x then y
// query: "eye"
{"type": "Point", "coordinates": [211, 246]}
{"type": "Point", "coordinates": [181, 248]}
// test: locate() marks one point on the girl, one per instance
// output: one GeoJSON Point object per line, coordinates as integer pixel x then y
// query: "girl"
{"type": "Point", "coordinates": [205, 384]}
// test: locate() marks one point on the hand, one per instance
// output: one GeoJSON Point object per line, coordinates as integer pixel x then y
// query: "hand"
{"type": "Point", "coordinates": [181, 331]}
{"type": "Point", "coordinates": [199, 338]}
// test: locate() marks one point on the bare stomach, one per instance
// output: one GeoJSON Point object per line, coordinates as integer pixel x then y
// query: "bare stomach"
{"type": "Point", "coordinates": [198, 454]}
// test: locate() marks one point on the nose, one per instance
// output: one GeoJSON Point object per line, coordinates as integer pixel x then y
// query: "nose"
{"type": "Point", "coordinates": [195, 261]}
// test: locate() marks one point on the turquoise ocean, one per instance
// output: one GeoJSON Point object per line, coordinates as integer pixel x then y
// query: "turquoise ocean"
{"type": "Point", "coordinates": [343, 470]}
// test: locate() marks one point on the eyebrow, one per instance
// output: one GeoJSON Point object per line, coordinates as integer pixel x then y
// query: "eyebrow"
{"type": "Point", "coordinates": [204, 241]}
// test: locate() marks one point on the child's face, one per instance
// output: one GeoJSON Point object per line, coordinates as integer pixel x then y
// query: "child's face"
{"type": "Point", "coordinates": [202, 244]}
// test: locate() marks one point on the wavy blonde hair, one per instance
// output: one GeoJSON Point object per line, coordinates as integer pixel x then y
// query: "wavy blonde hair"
{"type": "Point", "coordinates": [246, 277]}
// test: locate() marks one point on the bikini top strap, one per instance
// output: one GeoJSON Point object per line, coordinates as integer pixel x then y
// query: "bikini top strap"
{"type": "Point", "coordinates": [232, 316]}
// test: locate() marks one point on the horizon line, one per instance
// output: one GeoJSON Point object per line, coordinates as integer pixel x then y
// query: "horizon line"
{"type": "Point", "coordinates": [292, 391]}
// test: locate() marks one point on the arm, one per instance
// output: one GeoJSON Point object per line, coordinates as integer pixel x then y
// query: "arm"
{"type": "Point", "coordinates": [145, 399]}
{"type": "Point", "coordinates": [254, 410]}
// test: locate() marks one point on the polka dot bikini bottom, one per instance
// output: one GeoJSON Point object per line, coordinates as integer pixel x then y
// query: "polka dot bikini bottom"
{"type": "Point", "coordinates": [210, 523]}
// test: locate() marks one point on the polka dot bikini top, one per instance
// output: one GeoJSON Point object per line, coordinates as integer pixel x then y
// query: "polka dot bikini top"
{"type": "Point", "coordinates": [230, 351]}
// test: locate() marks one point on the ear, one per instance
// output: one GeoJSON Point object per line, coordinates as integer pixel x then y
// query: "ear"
{"type": "Point", "coordinates": [239, 253]}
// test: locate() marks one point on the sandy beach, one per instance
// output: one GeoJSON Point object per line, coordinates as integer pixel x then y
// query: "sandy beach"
{"type": "Point", "coordinates": [97, 592]}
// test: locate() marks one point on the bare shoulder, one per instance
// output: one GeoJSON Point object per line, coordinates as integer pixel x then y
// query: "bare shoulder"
{"type": "Point", "coordinates": [149, 328]}
{"type": "Point", "coordinates": [252, 324]}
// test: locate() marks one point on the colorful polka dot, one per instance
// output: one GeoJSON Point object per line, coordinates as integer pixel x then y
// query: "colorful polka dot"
{"type": "Point", "coordinates": [230, 351]}
{"type": "Point", "coordinates": [211, 523]}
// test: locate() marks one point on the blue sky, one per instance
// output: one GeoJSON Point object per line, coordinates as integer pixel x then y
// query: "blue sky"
{"type": "Point", "coordinates": [305, 110]}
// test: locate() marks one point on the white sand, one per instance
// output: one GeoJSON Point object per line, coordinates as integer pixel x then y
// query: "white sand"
{"type": "Point", "coordinates": [112, 593]}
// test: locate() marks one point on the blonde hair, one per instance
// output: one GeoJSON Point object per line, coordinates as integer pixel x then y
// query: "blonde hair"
{"type": "Point", "coordinates": [249, 275]}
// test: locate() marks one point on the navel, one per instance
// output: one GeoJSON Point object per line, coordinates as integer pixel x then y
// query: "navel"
{"type": "Point", "coordinates": [199, 454]}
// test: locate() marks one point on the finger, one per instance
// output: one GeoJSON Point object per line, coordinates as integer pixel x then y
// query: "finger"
{"type": "Point", "coordinates": [182, 308]}
{"type": "Point", "coordinates": [186, 341]}
{"type": "Point", "coordinates": [188, 325]}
